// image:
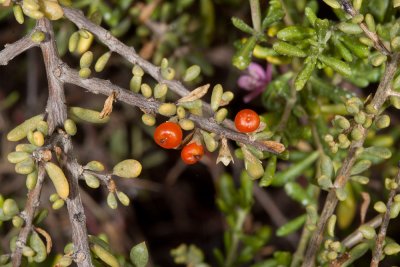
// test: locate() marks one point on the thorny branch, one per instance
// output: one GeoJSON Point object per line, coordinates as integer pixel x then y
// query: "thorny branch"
{"type": "Point", "coordinates": [56, 115]}
{"type": "Point", "coordinates": [28, 214]}
{"type": "Point", "coordinates": [99, 86]}
{"type": "Point", "coordinates": [377, 252]}
{"type": "Point", "coordinates": [341, 179]}
{"type": "Point", "coordinates": [378, 44]}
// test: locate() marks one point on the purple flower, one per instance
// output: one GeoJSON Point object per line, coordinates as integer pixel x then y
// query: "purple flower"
{"type": "Point", "coordinates": [255, 80]}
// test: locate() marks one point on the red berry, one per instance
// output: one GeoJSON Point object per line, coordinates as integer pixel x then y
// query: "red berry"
{"type": "Point", "coordinates": [192, 153]}
{"type": "Point", "coordinates": [247, 121]}
{"type": "Point", "coordinates": [168, 135]}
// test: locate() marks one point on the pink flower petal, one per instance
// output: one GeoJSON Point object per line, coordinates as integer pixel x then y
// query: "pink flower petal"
{"type": "Point", "coordinates": [257, 71]}
{"type": "Point", "coordinates": [246, 82]}
{"type": "Point", "coordinates": [268, 73]}
{"type": "Point", "coordinates": [252, 95]}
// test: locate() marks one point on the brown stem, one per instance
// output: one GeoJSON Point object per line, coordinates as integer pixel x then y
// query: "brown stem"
{"type": "Point", "coordinates": [32, 203]}
{"type": "Point", "coordinates": [56, 115]}
{"type": "Point", "coordinates": [356, 237]}
{"type": "Point", "coordinates": [99, 86]}
{"type": "Point", "coordinates": [378, 44]}
{"type": "Point", "coordinates": [12, 50]}
{"type": "Point", "coordinates": [74, 203]}
{"type": "Point", "coordinates": [377, 252]}
{"type": "Point", "coordinates": [331, 201]}
{"type": "Point", "coordinates": [56, 109]}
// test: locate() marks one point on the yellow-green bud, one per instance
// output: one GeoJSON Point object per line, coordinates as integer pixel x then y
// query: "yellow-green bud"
{"type": "Point", "coordinates": [18, 14]}
{"type": "Point", "coordinates": [146, 90]}
{"type": "Point", "coordinates": [25, 167]}
{"type": "Point", "coordinates": [65, 260]}
{"type": "Point", "coordinates": [112, 201]}
{"type": "Point", "coordinates": [226, 98]}
{"type": "Point", "coordinates": [102, 62]}
{"type": "Point", "coordinates": [168, 73]}
{"type": "Point", "coordinates": [58, 178]}
{"type": "Point", "coordinates": [95, 165]}
{"type": "Point", "coordinates": [394, 210]}
{"type": "Point", "coordinates": [58, 204]}
{"type": "Point", "coordinates": [103, 254]}
{"type": "Point", "coordinates": [357, 19]}
{"type": "Point", "coordinates": [191, 73]}
{"type": "Point", "coordinates": [382, 122]}
{"type": "Point", "coordinates": [160, 90]}
{"type": "Point", "coordinates": [378, 60]}
{"type": "Point", "coordinates": [167, 109]}
{"type": "Point", "coordinates": [15, 157]}
{"type": "Point", "coordinates": [164, 63]}
{"type": "Point", "coordinates": [54, 197]}
{"type": "Point", "coordinates": [367, 231]}
{"type": "Point", "coordinates": [135, 83]}
{"type": "Point", "coordinates": [10, 207]}
{"type": "Point", "coordinates": [73, 42]}
{"type": "Point", "coordinates": [343, 141]}
{"type": "Point", "coordinates": [371, 109]}
{"type": "Point", "coordinates": [186, 124]}
{"type": "Point", "coordinates": [27, 251]}
{"type": "Point", "coordinates": [360, 117]}
{"type": "Point", "coordinates": [128, 168]}
{"type": "Point", "coordinates": [395, 43]}
{"type": "Point", "coordinates": [88, 115]}
{"type": "Point", "coordinates": [216, 97]}
{"type": "Point", "coordinates": [17, 221]}
{"type": "Point", "coordinates": [137, 71]}
{"type": "Point", "coordinates": [38, 138]}
{"type": "Point", "coordinates": [148, 119]}
{"type": "Point", "coordinates": [29, 148]}
{"type": "Point", "coordinates": [367, 123]}
{"type": "Point", "coordinates": [332, 3]}
{"type": "Point", "coordinates": [330, 228]}
{"type": "Point", "coordinates": [380, 207]}
{"type": "Point", "coordinates": [86, 59]}
{"type": "Point", "coordinates": [22, 130]}
{"type": "Point", "coordinates": [342, 122]}
{"type": "Point", "coordinates": [31, 180]}
{"type": "Point", "coordinates": [38, 36]}
{"type": "Point", "coordinates": [70, 127]}
{"type": "Point", "coordinates": [391, 249]}
{"type": "Point", "coordinates": [357, 133]}
{"type": "Point", "coordinates": [210, 142]}
{"type": "Point", "coordinates": [220, 115]}
{"type": "Point", "coordinates": [369, 20]}
{"type": "Point", "coordinates": [84, 73]}
{"type": "Point", "coordinates": [332, 255]}
{"type": "Point", "coordinates": [123, 198]}
{"type": "Point", "coordinates": [180, 111]}
{"type": "Point", "coordinates": [91, 180]}
{"type": "Point", "coordinates": [43, 127]}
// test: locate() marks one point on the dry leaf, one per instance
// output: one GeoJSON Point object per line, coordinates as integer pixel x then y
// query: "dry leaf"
{"type": "Point", "coordinates": [197, 93]}
{"type": "Point", "coordinates": [275, 146]}
{"type": "Point", "coordinates": [46, 235]}
{"type": "Point", "coordinates": [108, 106]}
{"type": "Point", "coordinates": [147, 50]}
{"type": "Point", "coordinates": [148, 10]}
{"type": "Point", "coordinates": [364, 206]}
{"type": "Point", "coordinates": [224, 155]}
{"type": "Point", "coordinates": [6, 3]}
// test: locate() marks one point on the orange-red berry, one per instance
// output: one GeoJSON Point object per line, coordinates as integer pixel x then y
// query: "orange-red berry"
{"type": "Point", "coordinates": [192, 153]}
{"type": "Point", "coordinates": [247, 121]}
{"type": "Point", "coordinates": [168, 135]}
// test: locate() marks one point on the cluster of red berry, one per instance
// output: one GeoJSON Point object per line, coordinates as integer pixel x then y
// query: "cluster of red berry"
{"type": "Point", "coordinates": [169, 135]}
